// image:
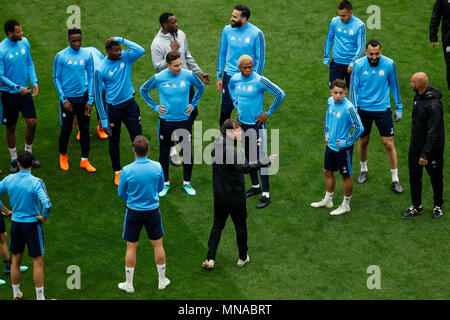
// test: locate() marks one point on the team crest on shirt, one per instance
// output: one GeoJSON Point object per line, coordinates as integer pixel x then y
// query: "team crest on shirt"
{"type": "Point", "coordinates": [11, 56]}
{"type": "Point", "coordinates": [250, 88]}
{"type": "Point", "coordinates": [122, 65]}
{"type": "Point", "coordinates": [339, 30]}
{"type": "Point", "coordinates": [111, 73]}
{"type": "Point", "coordinates": [174, 85]}
{"type": "Point", "coordinates": [17, 53]}
{"type": "Point", "coordinates": [247, 40]}
{"type": "Point", "coordinates": [75, 63]}
{"type": "Point", "coordinates": [81, 62]}
{"type": "Point", "coordinates": [23, 51]}
{"type": "Point", "coordinates": [345, 31]}
{"type": "Point", "coordinates": [373, 72]}
{"type": "Point", "coordinates": [381, 73]}
{"type": "Point", "coordinates": [351, 32]}
{"type": "Point", "coordinates": [182, 84]}
{"type": "Point", "coordinates": [338, 115]}
{"type": "Point", "coordinates": [232, 38]}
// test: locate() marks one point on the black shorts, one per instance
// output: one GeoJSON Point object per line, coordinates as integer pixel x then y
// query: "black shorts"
{"type": "Point", "coordinates": [13, 103]}
{"type": "Point", "coordinates": [30, 234]}
{"type": "Point", "coordinates": [226, 102]}
{"type": "Point", "coordinates": [2, 224]}
{"type": "Point", "coordinates": [383, 121]}
{"type": "Point", "coordinates": [174, 131]}
{"type": "Point", "coordinates": [339, 160]}
{"type": "Point", "coordinates": [135, 220]}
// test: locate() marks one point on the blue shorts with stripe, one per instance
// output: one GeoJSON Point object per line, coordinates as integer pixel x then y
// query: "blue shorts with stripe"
{"type": "Point", "coordinates": [30, 234]}
{"type": "Point", "coordinates": [135, 220]}
{"type": "Point", "coordinates": [339, 160]}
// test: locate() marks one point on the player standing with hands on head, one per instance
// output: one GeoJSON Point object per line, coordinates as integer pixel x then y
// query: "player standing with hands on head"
{"type": "Point", "coordinates": [347, 36]}
{"type": "Point", "coordinates": [16, 66]}
{"type": "Point", "coordinates": [373, 78]}
{"type": "Point", "coordinates": [340, 118]}
{"type": "Point", "coordinates": [237, 39]}
{"type": "Point", "coordinates": [114, 76]}
{"type": "Point", "coordinates": [73, 75]}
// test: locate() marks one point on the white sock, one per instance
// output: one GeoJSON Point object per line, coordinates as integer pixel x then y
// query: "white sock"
{"type": "Point", "coordinates": [161, 271]}
{"type": "Point", "coordinates": [16, 290]}
{"type": "Point", "coordinates": [186, 182]}
{"type": "Point", "coordinates": [29, 148]}
{"type": "Point", "coordinates": [266, 194]}
{"type": "Point", "coordinates": [13, 153]}
{"type": "Point", "coordinates": [173, 151]}
{"type": "Point", "coordinates": [129, 273]}
{"type": "Point", "coordinates": [256, 186]}
{"type": "Point", "coordinates": [394, 173]}
{"type": "Point", "coordinates": [40, 293]}
{"type": "Point", "coordinates": [82, 159]}
{"type": "Point", "coordinates": [363, 166]}
{"type": "Point", "coordinates": [346, 201]}
{"type": "Point", "coordinates": [116, 172]}
{"type": "Point", "coordinates": [329, 195]}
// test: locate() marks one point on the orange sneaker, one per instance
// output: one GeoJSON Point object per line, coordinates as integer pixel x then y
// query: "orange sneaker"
{"type": "Point", "coordinates": [85, 164]}
{"type": "Point", "coordinates": [117, 178]}
{"type": "Point", "coordinates": [63, 162]}
{"type": "Point", "coordinates": [101, 134]}
{"type": "Point", "coordinates": [78, 135]}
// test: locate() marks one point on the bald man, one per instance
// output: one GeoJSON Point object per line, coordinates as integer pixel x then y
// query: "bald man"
{"type": "Point", "coordinates": [427, 145]}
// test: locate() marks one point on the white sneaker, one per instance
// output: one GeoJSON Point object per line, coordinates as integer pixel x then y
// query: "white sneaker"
{"type": "Point", "coordinates": [242, 263]}
{"type": "Point", "coordinates": [323, 204]}
{"type": "Point", "coordinates": [340, 210]}
{"type": "Point", "coordinates": [208, 264]}
{"type": "Point", "coordinates": [163, 284]}
{"type": "Point", "coordinates": [126, 287]}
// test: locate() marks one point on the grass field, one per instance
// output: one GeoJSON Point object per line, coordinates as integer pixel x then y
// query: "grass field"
{"type": "Point", "coordinates": [297, 252]}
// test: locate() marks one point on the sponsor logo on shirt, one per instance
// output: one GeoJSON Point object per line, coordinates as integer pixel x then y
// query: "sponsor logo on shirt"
{"type": "Point", "coordinates": [81, 62]}
{"type": "Point", "coordinates": [11, 56]}
{"type": "Point", "coordinates": [247, 40]}
{"type": "Point", "coordinates": [182, 84]}
{"type": "Point", "coordinates": [122, 65]}
{"type": "Point", "coordinates": [23, 51]}
{"type": "Point", "coordinates": [365, 72]}
{"type": "Point", "coordinates": [233, 38]}
{"type": "Point", "coordinates": [351, 32]}
{"type": "Point", "coordinates": [381, 73]}
{"type": "Point", "coordinates": [339, 30]}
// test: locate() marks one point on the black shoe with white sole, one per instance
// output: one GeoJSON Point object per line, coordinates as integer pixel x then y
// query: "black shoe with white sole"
{"type": "Point", "coordinates": [412, 212]}
{"type": "Point", "coordinates": [437, 212]}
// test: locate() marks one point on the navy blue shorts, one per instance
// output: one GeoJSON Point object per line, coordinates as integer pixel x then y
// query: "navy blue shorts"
{"type": "Point", "coordinates": [30, 234]}
{"type": "Point", "coordinates": [167, 128]}
{"type": "Point", "coordinates": [2, 224]}
{"type": "Point", "coordinates": [226, 102]}
{"type": "Point", "coordinates": [339, 71]}
{"type": "Point", "coordinates": [135, 220]}
{"type": "Point", "coordinates": [339, 160]}
{"type": "Point", "coordinates": [383, 121]}
{"type": "Point", "coordinates": [13, 103]}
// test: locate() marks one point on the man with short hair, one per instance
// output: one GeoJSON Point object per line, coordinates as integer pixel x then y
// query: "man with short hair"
{"type": "Point", "coordinates": [373, 78]}
{"type": "Point", "coordinates": [340, 118]}
{"type": "Point", "coordinates": [73, 74]}
{"type": "Point", "coordinates": [171, 38]}
{"type": "Point", "coordinates": [140, 183]}
{"type": "Point", "coordinates": [426, 149]}
{"type": "Point", "coordinates": [237, 39]}
{"type": "Point", "coordinates": [347, 36]}
{"type": "Point", "coordinates": [26, 195]}
{"type": "Point", "coordinates": [247, 93]}
{"type": "Point", "coordinates": [441, 11]}
{"type": "Point", "coordinates": [174, 109]}
{"type": "Point", "coordinates": [114, 77]}
{"type": "Point", "coordinates": [16, 67]}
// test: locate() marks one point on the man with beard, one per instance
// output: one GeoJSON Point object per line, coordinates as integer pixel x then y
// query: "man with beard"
{"type": "Point", "coordinates": [373, 78]}
{"type": "Point", "coordinates": [441, 10]}
{"type": "Point", "coordinates": [16, 67]}
{"type": "Point", "coordinates": [239, 38]}
{"type": "Point", "coordinates": [427, 144]}
{"type": "Point", "coordinates": [170, 38]}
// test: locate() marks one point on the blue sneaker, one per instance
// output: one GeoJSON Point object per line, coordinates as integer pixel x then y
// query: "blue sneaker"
{"type": "Point", "coordinates": [164, 191]}
{"type": "Point", "coordinates": [2, 282]}
{"type": "Point", "coordinates": [22, 269]}
{"type": "Point", "coordinates": [189, 190]}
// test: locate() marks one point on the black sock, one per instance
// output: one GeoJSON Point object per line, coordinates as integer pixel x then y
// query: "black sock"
{"type": "Point", "coordinates": [7, 263]}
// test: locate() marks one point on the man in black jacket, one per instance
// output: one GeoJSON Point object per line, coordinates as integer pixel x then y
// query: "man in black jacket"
{"type": "Point", "coordinates": [427, 144]}
{"type": "Point", "coordinates": [441, 10]}
{"type": "Point", "coordinates": [229, 167]}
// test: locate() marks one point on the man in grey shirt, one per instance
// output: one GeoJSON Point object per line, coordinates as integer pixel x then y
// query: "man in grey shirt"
{"type": "Point", "coordinates": [170, 38]}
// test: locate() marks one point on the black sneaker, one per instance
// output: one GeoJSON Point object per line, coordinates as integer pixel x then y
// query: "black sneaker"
{"type": "Point", "coordinates": [397, 187]}
{"type": "Point", "coordinates": [253, 191]}
{"type": "Point", "coordinates": [14, 167]}
{"type": "Point", "coordinates": [36, 163]}
{"type": "Point", "coordinates": [412, 211]}
{"type": "Point", "coordinates": [437, 212]}
{"type": "Point", "coordinates": [263, 202]}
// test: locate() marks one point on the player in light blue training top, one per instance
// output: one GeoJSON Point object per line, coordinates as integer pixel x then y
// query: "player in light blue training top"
{"type": "Point", "coordinates": [16, 67]}
{"type": "Point", "coordinates": [174, 109]}
{"type": "Point", "coordinates": [247, 92]}
{"type": "Point", "coordinates": [342, 128]}
{"type": "Point", "coordinates": [26, 194]}
{"type": "Point", "coordinates": [113, 76]}
{"type": "Point", "coordinates": [373, 78]}
{"type": "Point", "coordinates": [237, 39]}
{"type": "Point", "coordinates": [347, 37]}
{"type": "Point", "coordinates": [73, 75]}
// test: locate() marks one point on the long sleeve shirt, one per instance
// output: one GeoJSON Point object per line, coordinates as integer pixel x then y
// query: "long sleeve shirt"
{"type": "Point", "coordinates": [73, 74]}
{"type": "Point", "coordinates": [247, 94]}
{"type": "Point", "coordinates": [114, 76]}
{"type": "Point", "coordinates": [173, 93]}
{"type": "Point", "coordinates": [235, 42]}
{"type": "Point", "coordinates": [339, 120]}
{"type": "Point", "coordinates": [140, 183]}
{"type": "Point", "coordinates": [441, 11]}
{"type": "Point", "coordinates": [16, 65]}
{"type": "Point", "coordinates": [347, 40]}
{"type": "Point", "coordinates": [97, 56]}
{"type": "Point", "coordinates": [370, 87]}
{"type": "Point", "coordinates": [161, 46]}
{"type": "Point", "coordinates": [26, 194]}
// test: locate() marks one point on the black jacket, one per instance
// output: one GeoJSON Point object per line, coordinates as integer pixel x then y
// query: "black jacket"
{"type": "Point", "coordinates": [229, 166]}
{"type": "Point", "coordinates": [441, 10]}
{"type": "Point", "coordinates": [427, 128]}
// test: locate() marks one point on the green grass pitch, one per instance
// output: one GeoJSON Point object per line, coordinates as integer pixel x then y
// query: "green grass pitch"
{"type": "Point", "coordinates": [297, 252]}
